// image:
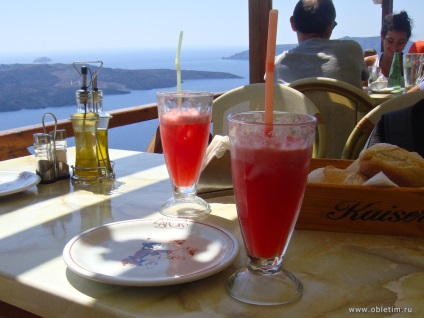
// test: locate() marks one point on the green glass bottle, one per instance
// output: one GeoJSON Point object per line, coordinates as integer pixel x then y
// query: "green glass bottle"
{"type": "Point", "coordinates": [395, 74]}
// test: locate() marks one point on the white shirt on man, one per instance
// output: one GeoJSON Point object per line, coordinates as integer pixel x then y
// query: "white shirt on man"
{"type": "Point", "coordinates": [316, 57]}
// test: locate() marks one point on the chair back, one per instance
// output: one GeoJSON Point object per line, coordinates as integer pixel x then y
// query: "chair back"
{"type": "Point", "coordinates": [252, 98]}
{"type": "Point", "coordinates": [362, 131]}
{"type": "Point", "coordinates": [341, 104]}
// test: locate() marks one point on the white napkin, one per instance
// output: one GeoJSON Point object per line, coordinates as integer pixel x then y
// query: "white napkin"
{"type": "Point", "coordinates": [218, 146]}
{"type": "Point", "coordinates": [381, 180]}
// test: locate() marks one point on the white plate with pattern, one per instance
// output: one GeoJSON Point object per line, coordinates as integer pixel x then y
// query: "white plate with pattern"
{"type": "Point", "coordinates": [16, 181]}
{"type": "Point", "coordinates": [151, 252]}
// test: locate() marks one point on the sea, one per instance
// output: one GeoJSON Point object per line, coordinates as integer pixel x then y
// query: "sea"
{"type": "Point", "coordinates": [136, 136]}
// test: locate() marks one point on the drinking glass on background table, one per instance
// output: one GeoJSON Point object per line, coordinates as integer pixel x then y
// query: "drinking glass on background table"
{"type": "Point", "coordinates": [375, 72]}
{"type": "Point", "coordinates": [376, 79]}
{"type": "Point", "coordinates": [412, 69]}
{"type": "Point", "coordinates": [270, 165]}
{"type": "Point", "coordinates": [184, 120]}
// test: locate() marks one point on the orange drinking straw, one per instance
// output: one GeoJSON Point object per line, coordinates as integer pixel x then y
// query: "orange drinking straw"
{"type": "Point", "coordinates": [269, 68]}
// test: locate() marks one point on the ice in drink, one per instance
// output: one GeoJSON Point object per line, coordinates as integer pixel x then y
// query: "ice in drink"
{"type": "Point", "coordinates": [269, 184]}
{"type": "Point", "coordinates": [185, 137]}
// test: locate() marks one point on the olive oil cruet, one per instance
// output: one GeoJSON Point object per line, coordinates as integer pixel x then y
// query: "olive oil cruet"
{"type": "Point", "coordinates": [90, 124]}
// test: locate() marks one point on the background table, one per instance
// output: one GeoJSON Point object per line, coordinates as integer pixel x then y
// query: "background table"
{"type": "Point", "coordinates": [380, 97]}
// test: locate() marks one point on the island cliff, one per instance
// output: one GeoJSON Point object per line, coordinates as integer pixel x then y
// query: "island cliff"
{"type": "Point", "coordinates": [30, 86]}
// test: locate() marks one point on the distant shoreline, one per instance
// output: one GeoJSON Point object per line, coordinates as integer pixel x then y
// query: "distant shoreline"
{"type": "Point", "coordinates": [40, 85]}
{"type": "Point", "coordinates": [364, 42]}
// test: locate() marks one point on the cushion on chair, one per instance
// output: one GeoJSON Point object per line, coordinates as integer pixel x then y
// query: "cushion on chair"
{"type": "Point", "coordinates": [403, 128]}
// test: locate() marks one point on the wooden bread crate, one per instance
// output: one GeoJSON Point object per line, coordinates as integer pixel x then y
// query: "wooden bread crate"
{"type": "Point", "coordinates": [361, 209]}
{"type": "Point", "coordinates": [340, 208]}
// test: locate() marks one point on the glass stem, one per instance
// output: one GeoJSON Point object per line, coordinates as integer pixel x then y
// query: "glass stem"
{"type": "Point", "coordinates": [265, 266]}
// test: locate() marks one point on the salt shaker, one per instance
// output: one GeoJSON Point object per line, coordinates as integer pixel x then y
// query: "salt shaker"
{"type": "Point", "coordinates": [44, 157]}
{"type": "Point", "coordinates": [59, 152]}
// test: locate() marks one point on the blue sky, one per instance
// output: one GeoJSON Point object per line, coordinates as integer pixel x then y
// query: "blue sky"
{"type": "Point", "coordinates": [51, 25]}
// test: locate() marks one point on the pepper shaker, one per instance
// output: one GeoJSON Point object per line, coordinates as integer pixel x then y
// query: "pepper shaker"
{"type": "Point", "coordinates": [44, 158]}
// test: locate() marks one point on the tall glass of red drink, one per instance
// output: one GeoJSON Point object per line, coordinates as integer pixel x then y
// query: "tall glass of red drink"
{"type": "Point", "coordinates": [270, 165]}
{"type": "Point", "coordinates": [184, 120]}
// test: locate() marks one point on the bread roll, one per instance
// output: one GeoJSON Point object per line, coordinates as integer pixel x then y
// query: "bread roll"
{"type": "Point", "coordinates": [404, 168]}
{"type": "Point", "coordinates": [334, 175]}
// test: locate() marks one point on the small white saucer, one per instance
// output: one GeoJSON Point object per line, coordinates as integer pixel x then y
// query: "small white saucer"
{"type": "Point", "coordinates": [385, 90]}
{"type": "Point", "coordinates": [151, 252]}
{"type": "Point", "coordinates": [16, 181]}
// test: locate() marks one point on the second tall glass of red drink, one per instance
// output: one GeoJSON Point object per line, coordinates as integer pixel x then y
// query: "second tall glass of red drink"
{"type": "Point", "coordinates": [184, 120]}
{"type": "Point", "coordinates": [270, 165]}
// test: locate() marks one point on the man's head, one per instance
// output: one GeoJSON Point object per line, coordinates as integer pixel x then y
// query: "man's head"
{"type": "Point", "coordinates": [314, 17]}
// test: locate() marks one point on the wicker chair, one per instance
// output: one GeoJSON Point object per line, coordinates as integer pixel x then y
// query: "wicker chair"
{"type": "Point", "coordinates": [342, 105]}
{"type": "Point", "coordinates": [252, 97]}
{"type": "Point", "coordinates": [360, 135]}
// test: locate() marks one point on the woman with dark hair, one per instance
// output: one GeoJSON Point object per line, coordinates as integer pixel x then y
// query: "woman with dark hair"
{"type": "Point", "coordinates": [395, 33]}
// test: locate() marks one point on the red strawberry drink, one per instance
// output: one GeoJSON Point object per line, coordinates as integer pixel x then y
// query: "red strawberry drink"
{"type": "Point", "coordinates": [270, 165]}
{"type": "Point", "coordinates": [184, 119]}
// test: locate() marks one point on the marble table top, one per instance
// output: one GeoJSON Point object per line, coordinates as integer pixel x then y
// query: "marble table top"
{"type": "Point", "coordinates": [341, 272]}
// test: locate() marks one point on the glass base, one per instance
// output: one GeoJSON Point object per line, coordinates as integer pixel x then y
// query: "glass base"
{"type": "Point", "coordinates": [275, 289]}
{"type": "Point", "coordinates": [185, 207]}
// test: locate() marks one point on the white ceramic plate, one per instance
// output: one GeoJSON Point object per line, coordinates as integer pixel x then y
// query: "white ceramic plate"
{"type": "Point", "coordinates": [383, 90]}
{"type": "Point", "coordinates": [150, 252]}
{"type": "Point", "coordinates": [17, 181]}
